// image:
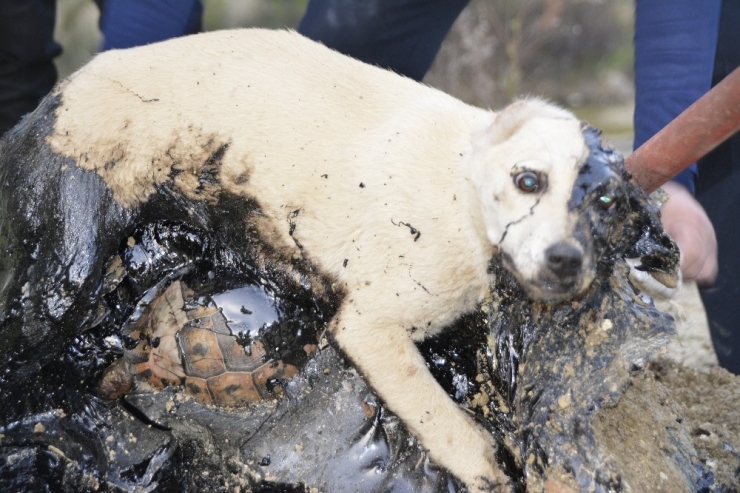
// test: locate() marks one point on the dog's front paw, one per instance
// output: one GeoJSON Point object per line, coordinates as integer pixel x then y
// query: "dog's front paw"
{"type": "Point", "coordinates": [657, 284]}
{"type": "Point", "coordinates": [477, 466]}
{"type": "Point", "coordinates": [496, 482]}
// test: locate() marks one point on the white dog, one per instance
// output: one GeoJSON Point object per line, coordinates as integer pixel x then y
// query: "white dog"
{"type": "Point", "coordinates": [389, 197]}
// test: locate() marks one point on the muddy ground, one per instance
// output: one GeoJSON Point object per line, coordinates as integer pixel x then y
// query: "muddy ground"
{"type": "Point", "coordinates": [691, 390]}
{"type": "Point", "coordinates": [693, 345]}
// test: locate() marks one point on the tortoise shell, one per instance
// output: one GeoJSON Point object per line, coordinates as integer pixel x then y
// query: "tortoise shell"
{"type": "Point", "coordinates": [195, 349]}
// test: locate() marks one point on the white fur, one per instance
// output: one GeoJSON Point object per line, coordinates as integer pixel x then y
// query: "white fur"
{"type": "Point", "coordinates": [305, 128]}
{"type": "Point", "coordinates": [534, 136]}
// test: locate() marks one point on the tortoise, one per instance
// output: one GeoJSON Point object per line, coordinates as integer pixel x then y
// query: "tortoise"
{"type": "Point", "coordinates": [168, 344]}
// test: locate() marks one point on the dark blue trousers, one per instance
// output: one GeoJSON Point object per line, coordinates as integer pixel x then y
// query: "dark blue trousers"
{"type": "Point", "coordinates": [401, 35]}
{"type": "Point", "coordinates": [27, 51]}
{"type": "Point", "coordinates": [27, 46]}
{"type": "Point", "coordinates": [128, 23]}
{"type": "Point", "coordinates": [718, 191]}
{"type": "Point", "coordinates": [681, 50]}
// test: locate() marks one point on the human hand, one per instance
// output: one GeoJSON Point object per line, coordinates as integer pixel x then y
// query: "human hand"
{"type": "Point", "coordinates": [687, 223]}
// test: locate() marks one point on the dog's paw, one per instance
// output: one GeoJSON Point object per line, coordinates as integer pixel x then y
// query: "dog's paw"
{"type": "Point", "coordinates": [656, 284]}
{"type": "Point", "coordinates": [496, 482]}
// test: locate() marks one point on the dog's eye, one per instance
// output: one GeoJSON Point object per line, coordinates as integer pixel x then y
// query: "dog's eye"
{"type": "Point", "coordinates": [527, 181]}
{"type": "Point", "coordinates": [607, 202]}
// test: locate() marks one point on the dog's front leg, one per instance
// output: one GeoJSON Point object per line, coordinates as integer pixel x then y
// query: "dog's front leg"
{"type": "Point", "coordinates": [390, 362]}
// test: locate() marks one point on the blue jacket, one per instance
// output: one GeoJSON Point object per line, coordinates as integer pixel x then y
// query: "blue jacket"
{"type": "Point", "coordinates": [125, 23]}
{"type": "Point", "coordinates": [675, 44]}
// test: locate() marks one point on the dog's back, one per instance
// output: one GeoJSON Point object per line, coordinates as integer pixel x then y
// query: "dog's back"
{"type": "Point", "coordinates": [355, 155]}
{"type": "Point", "coordinates": [275, 98]}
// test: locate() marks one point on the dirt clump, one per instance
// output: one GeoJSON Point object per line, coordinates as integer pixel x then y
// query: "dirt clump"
{"type": "Point", "coordinates": [710, 401]}
{"type": "Point", "coordinates": [645, 438]}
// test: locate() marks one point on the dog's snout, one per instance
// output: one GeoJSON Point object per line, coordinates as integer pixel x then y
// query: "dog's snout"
{"type": "Point", "coordinates": [564, 260]}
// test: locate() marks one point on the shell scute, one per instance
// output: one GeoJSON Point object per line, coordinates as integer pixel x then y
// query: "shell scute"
{"type": "Point", "coordinates": [166, 313]}
{"type": "Point", "coordinates": [274, 371]}
{"type": "Point", "coordinates": [166, 361]}
{"type": "Point", "coordinates": [237, 358]}
{"type": "Point", "coordinates": [202, 355]}
{"type": "Point", "coordinates": [233, 388]}
{"type": "Point", "coordinates": [219, 325]}
{"type": "Point", "coordinates": [198, 388]}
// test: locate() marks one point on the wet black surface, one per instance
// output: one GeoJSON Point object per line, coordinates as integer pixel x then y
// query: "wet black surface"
{"type": "Point", "coordinates": [534, 374]}
{"type": "Point", "coordinates": [53, 247]}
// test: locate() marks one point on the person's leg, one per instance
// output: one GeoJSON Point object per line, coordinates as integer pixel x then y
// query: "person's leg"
{"type": "Point", "coordinates": [27, 51]}
{"type": "Point", "coordinates": [128, 23]}
{"type": "Point", "coordinates": [402, 35]}
{"type": "Point", "coordinates": [718, 190]}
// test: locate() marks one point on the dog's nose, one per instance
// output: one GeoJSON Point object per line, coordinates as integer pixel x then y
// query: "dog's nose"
{"type": "Point", "coordinates": [563, 259]}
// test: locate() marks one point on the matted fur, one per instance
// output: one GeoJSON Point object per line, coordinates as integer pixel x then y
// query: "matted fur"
{"type": "Point", "coordinates": [397, 193]}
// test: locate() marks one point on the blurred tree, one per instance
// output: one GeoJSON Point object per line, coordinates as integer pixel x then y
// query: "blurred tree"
{"type": "Point", "coordinates": [77, 31]}
{"type": "Point", "coordinates": [225, 14]}
{"type": "Point", "coordinates": [563, 49]}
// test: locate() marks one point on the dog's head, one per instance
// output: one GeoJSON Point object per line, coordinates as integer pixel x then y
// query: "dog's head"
{"type": "Point", "coordinates": [552, 197]}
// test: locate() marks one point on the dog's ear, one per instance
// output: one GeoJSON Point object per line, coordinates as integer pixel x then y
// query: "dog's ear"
{"type": "Point", "coordinates": [511, 118]}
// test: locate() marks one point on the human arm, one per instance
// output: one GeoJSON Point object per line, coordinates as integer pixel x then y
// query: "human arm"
{"type": "Point", "coordinates": [686, 222]}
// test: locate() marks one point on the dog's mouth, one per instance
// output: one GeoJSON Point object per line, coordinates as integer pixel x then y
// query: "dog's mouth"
{"type": "Point", "coordinates": [550, 291]}
{"type": "Point", "coordinates": [547, 287]}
